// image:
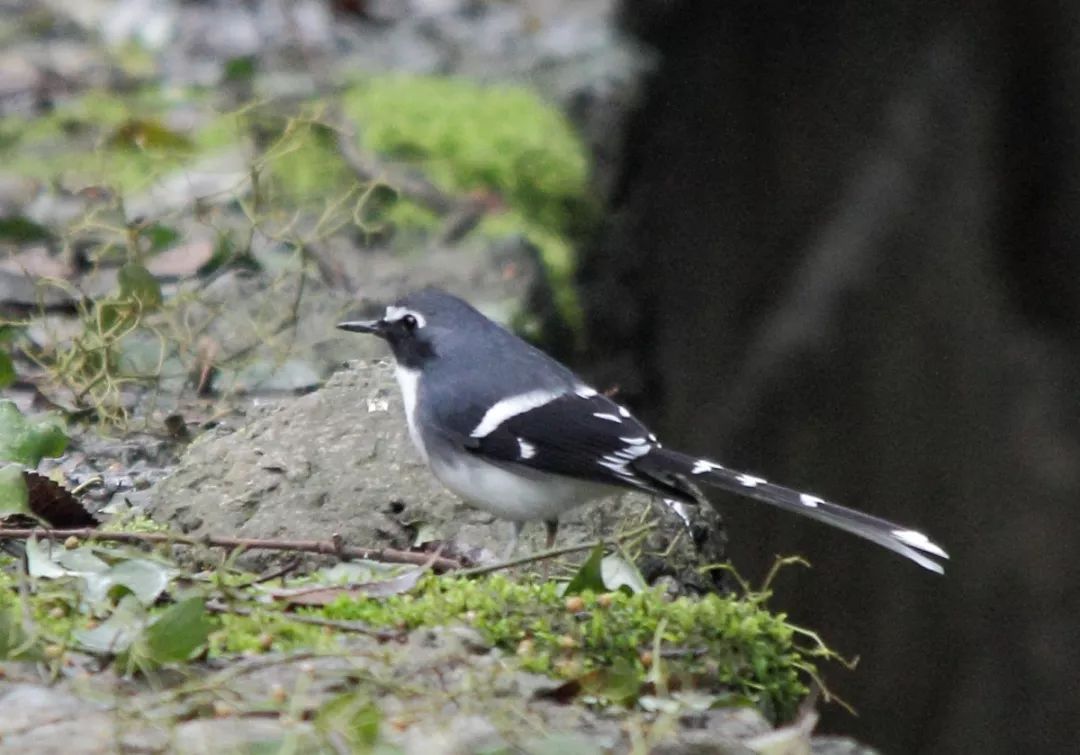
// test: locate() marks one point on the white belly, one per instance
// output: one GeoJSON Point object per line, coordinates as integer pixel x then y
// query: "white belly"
{"type": "Point", "coordinates": [512, 496]}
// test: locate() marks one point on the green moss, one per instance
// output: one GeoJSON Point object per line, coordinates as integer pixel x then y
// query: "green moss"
{"type": "Point", "coordinates": [137, 522]}
{"type": "Point", "coordinates": [730, 647]}
{"type": "Point", "coordinates": [302, 164]}
{"type": "Point", "coordinates": [738, 646]}
{"type": "Point", "coordinates": [268, 630]}
{"type": "Point", "coordinates": [108, 139]}
{"type": "Point", "coordinates": [469, 137]}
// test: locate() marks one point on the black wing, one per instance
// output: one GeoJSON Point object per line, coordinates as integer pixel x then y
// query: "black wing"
{"type": "Point", "coordinates": [584, 435]}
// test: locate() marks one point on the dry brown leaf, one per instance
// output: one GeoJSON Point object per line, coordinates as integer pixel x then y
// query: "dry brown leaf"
{"type": "Point", "coordinates": [37, 262]}
{"type": "Point", "coordinates": [53, 504]}
{"type": "Point", "coordinates": [181, 261]}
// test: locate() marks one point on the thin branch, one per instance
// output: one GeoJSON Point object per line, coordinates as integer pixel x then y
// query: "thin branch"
{"type": "Point", "coordinates": [332, 547]}
{"type": "Point", "coordinates": [555, 552]}
{"type": "Point", "coordinates": [367, 168]}
{"type": "Point", "coordinates": [293, 565]}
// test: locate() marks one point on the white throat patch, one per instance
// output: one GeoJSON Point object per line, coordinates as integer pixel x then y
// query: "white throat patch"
{"type": "Point", "coordinates": [409, 382]}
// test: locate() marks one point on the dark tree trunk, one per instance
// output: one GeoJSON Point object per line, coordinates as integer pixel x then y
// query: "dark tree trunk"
{"type": "Point", "coordinates": [844, 257]}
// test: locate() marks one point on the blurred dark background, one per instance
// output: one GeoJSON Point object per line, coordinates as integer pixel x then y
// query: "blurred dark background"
{"type": "Point", "coordinates": [841, 255]}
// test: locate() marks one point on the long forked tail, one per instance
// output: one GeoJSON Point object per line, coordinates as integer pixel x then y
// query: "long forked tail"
{"type": "Point", "coordinates": [671, 469]}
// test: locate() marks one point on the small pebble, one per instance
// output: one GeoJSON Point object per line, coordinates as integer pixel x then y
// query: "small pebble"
{"type": "Point", "coordinates": [223, 709]}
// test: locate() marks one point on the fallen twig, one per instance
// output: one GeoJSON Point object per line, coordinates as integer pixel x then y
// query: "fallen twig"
{"type": "Point", "coordinates": [293, 565]}
{"type": "Point", "coordinates": [555, 552]}
{"type": "Point", "coordinates": [335, 546]}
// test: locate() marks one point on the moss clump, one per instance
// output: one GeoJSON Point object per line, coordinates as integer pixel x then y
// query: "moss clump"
{"type": "Point", "coordinates": [615, 644]}
{"type": "Point", "coordinates": [726, 643]}
{"type": "Point", "coordinates": [723, 645]}
{"type": "Point", "coordinates": [107, 139]}
{"type": "Point", "coordinates": [468, 137]}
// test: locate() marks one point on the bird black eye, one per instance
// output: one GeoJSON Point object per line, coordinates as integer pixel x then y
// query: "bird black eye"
{"type": "Point", "coordinates": [409, 322]}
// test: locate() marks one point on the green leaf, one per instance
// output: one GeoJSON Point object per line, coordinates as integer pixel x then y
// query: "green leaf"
{"type": "Point", "coordinates": [7, 370]}
{"type": "Point", "coordinates": [136, 282]}
{"type": "Point", "coordinates": [25, 442]}
{"type": "Point", "coordinates": [617, 573]}
{"type": "Point", "coordinates": [81, 561]}
{"type": "Point", "coordinates": [619, 683]}
{"type": "Point", "coordinates": [240, 68]}
{"type": "Point", "coordinates": [15, 644]}
{"type": "Point", "coordinates": [590, 575]}
{"type": "Point", "coordinates": [14, 497]}
{"type": "Point", "coordinates": [21, 230]}
{"type": "Point", "coordinates": [140, 577]}
{"type": "Point", "coordinates": [160, 236]}
{"type": "Point", "coordinates": [42, 558]}
{"type": "Point", "coordinates": [353, 717]}
{"type": "Point", "coordinates": [148, 135]}
{"type": "Point", "coordinates": [605, 574]}
{"type": "Point", "coordinates": [118, 632]}
{"type": "Point", "coordinates": [178, 632]}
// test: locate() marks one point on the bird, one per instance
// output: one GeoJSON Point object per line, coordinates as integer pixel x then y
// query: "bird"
{"type": "Point", "coordinates": [516, 433]}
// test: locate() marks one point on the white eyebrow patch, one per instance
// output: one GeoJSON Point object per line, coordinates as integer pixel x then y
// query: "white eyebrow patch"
{"type": "Point", "coordinates": [395, 313]}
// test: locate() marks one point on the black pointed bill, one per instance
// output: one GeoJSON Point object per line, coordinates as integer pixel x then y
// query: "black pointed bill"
{"type": "Point", "coordinates": [374, 327]}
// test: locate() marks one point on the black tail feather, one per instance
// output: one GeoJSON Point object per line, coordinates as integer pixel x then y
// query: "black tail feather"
{"type": "Point", "coordinates": [669, 467]}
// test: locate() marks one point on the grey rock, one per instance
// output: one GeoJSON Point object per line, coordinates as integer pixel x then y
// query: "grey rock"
{"type": "Point", "coordinates": [228, 735]}
{"type": "Point", "coordinates": [338, 461]}
{"type": "Point", "coordinates": [47, 720]}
